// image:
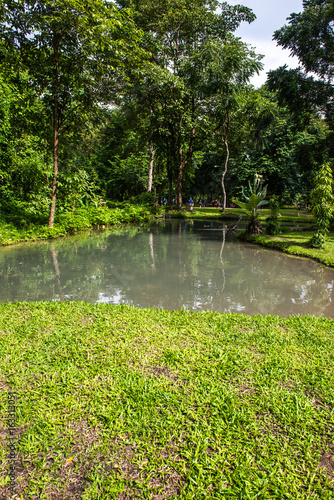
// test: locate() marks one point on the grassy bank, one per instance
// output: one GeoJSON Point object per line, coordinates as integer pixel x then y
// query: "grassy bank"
{"type": "Point", "coordinates": [124, 403]}
{"type": "Point", "coordinates": [293, 238]}
{"type": "Point", "coordinates": [288, 215]}
{"type": "Point", "coordinates": [297, 243]}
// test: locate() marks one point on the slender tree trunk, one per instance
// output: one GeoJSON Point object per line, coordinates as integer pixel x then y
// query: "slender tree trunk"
{"type": "Point", "coordinates": [56, 131]}
{"type": "Point", "coordinates": [169, 173]}
{"type": "Point", "coordinates": [150, 168]}
{"type": "Point", "coordinates": [225, 137]}
{"type": "Point", "coordinates": [224, 173]}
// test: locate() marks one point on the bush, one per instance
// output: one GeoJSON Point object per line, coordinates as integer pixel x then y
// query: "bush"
{"type": "Point", "coordinates": [322, 204]}
{"type": "Point", "coordinates": [146, 199]}
{"type": "Point", "coordinates": [273, 225]}
{"type": "Point", "coordinates": [73, 222]}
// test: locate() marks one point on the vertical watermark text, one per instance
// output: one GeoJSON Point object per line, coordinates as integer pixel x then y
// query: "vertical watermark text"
{"type": "Point", "coordinates": [11, 425]}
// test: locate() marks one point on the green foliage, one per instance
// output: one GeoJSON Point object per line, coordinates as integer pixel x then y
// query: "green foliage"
{"type": "Point", "coordinates": [178, 214]}
{"type": "Point", "coordinates": [255, 197]}
{"type": "Point", "coordinates": [22, 228]}
{"type": "Point", "coordinates": [195, 60]}
{"type": "Point", "coordinates": [322, 204]}
{"type": "Point", "coordinates": [145, 199]}
{"type": "Point", "coordinates": [182, 103]}
{"type": "Point", "coordinates": [67, 47]}
{"type": "Point", "coordinates": [298, 243]}
{"type": "Point", "coordinates": [273, 225]}
{"type": "Point", "coordinates": [309, 36]}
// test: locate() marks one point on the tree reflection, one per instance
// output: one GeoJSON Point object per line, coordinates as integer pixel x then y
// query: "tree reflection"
{"type": "Point", "coordinates": [170, 266]}
{"type": "Point", "coordinates": [56, 271]}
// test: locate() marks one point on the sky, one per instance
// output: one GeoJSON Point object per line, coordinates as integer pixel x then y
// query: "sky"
{"type": "Point", "coordinates": [270, 16]}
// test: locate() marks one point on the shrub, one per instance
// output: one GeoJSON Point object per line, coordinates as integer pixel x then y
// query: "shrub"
{"type": "Point", "coordinates": [322, 204]}
{"type": "Point", "coordinates": [273, 225]}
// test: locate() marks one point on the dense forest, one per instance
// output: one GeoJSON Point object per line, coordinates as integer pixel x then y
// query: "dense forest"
{"type": "Point", "coordinates": [142, 100]}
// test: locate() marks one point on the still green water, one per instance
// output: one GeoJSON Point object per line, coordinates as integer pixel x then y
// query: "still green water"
{"type": "Point", "coordinates": [192, 264]}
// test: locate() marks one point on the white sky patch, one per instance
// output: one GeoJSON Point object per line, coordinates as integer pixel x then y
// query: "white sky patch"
{"type": "Point", "coordinates": [274, 58]}
{"type": "Point", "coordinates": [270, 16]}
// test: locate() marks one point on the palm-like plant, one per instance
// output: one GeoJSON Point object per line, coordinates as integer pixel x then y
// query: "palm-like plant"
{"type": "Point", "coordinates": [254, 199]}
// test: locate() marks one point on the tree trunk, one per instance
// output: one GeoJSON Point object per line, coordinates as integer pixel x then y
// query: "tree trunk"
{"type": "Point", "coordinates": [56, 130]}
{"type": "Point", "coordinates": [150, 169]}
{"type": "Point", "coordinates": [223, 175]}
{"type": "Point", "coordinates": [179, 188]}
{"type": "Point", "coordinates": [55, 164]}
{"type": "Point", "coordinates": [225, 137]}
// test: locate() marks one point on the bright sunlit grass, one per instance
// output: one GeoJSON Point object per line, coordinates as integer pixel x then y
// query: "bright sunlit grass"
{"type": "Point", "coordinates": [118, 402]}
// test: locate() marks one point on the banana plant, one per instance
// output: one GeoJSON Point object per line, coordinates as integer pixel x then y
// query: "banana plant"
{"type": "Point", "coordinates": [254, 199]}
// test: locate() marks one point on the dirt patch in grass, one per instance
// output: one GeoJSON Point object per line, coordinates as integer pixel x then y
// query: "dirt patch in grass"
{"type": "Point", "coordinates": [327, 462]}
{"type": "Point", "coordinates": [88, 320]}
{"type": "Point", "coordinates": [245, 389]}
{"type": "Point", "coordinates": [157, 371]}
{"type": "Point", "coordinates": [164, 478]}
{"type": "Point", "coordinates": [66, 481]}
{"type": "Point", "coordinates": [316, 400]}
{"type": "Point", "coordinates": [289, 385]}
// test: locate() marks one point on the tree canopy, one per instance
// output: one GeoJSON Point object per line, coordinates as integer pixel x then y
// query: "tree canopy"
{"type": "Point", "coordinates": [109, 100]}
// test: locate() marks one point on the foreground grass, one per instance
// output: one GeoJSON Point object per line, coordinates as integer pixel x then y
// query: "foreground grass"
{"type": "Point", "coordinates": [124, 403]}
{"type": "Point", "coordinates": [297, 243]}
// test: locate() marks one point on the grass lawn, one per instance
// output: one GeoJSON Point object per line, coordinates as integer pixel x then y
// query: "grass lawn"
{"type": "Point", "coordinates": [115, 402]}
{"type": "Point", "coordinates": [288, 215]}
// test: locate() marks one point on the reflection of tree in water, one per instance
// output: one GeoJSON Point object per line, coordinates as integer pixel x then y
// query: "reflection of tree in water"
{"type": "Point", "coordinates": [169, 266]}
{"type": "Point", "coordinates": [56, 270]}
{"type": "Point", "coordinates": [221, 257]}
{"type": "Point", "coordinates": [150, 242]}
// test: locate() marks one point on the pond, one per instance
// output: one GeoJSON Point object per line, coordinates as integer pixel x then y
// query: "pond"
{"type": "Point", "coordinates": [196, 265]}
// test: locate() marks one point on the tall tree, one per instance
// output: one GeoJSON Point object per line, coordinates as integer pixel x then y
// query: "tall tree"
{"type": "Point", "coordinates": [66, 45]}
{"type": "Point", "coordinates": [189, 46]}
{"type": "Point", "coordinates": [309, 35]}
